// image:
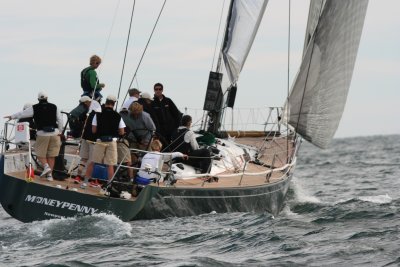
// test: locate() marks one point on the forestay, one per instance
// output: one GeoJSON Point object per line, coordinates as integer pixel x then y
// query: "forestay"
{"type": "Point", "coordinates": [319, 92]}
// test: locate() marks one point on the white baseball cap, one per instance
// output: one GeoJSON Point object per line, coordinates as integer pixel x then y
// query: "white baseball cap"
{"type": "Point", "coordinates": [42, 95]}
{"type": "Point", "coordinates": [84, 99]}
{"type": "Point", "coordinates": [112, 98]}
{"type": "Point", "coordinates": [146, 95]}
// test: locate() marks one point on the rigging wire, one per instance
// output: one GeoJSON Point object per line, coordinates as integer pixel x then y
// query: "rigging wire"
{"type": "Point", "coordinates": [219, 30]}
{"type": "Point", "coordinates": [111, 29]}
{"type": "Point", "coordinates": [126, 51]}
{"type": "Point", "coordinates": [288, 84]}
{"type": "Point", "coordinates": [92, 98]}
{"type": "Point", "coordinates": [145, 49]}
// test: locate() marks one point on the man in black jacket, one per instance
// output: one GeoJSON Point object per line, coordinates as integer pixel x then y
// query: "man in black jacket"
{"type": "Point", "coordinates": [168, 115]}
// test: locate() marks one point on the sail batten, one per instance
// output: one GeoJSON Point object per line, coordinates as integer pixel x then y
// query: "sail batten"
{"type": "Point", "coordinates": [319, 92]}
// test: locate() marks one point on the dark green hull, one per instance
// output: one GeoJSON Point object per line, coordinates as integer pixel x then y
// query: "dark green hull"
{"type": "Point", "coordinates": [28, 202]}
{"type": "Point", "coordinates": [182, 202]}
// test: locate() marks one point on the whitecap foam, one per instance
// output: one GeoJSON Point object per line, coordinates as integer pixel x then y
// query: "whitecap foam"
{"type": "Point", "coordinates": [40, 228]}
{"type": "Point", "coordinates": [289, 213]}
{"type": "Point", "coordinates": [380, 199]}
{"type": "Point", "coordinates": [111, 223]}
{"type": "Point", "coordinates": [301, 194]}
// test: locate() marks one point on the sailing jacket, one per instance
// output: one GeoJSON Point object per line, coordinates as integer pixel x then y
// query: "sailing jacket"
{"type": "Point", "coordinates": [45, 116]}
{"type": "Point", "coordinates": [168, 116]}
{"type": "Point", "coordinates": [87, 133]}
{"type": "Point", "coordinates": [107, 122]}
{"type": "Point", "coordinates": [89, 80]}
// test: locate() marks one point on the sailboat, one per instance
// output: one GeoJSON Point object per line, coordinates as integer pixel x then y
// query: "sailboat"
{"type": "Point", "coordinates": [249, 174]}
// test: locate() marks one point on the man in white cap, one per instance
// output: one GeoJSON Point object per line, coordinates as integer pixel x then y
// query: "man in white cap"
{"type": "Point", "coordinates": [146, 101]}
{"type": "Point", "coordinates": [108, 126]}
{"type": "Point", "coordinates": [78, 115]}
{"type": "Point", "coordinates": [49, 125]}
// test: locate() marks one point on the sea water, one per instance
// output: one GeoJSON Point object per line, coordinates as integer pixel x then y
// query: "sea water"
{"type": "Point", "coordinates": [343, 209]}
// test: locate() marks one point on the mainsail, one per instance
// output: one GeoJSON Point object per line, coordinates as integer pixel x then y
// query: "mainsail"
{"type": "Point", "coordinates": [319, 92]}
{"type": "Point", "coordinates": [243, 22]}
{"type": "Point", "coordinates": [314, 13]}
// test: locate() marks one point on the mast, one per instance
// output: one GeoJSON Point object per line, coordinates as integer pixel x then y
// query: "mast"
{"type": "Point", "coordinates": [214, 96]}
{"type": "Point", "coordinates": [243, 20]}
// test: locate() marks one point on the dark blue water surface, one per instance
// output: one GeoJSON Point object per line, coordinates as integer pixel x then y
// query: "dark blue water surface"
{"type": "Point", "coordinates": [343, 209]}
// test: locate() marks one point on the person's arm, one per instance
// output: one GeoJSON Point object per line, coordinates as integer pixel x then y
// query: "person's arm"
{"type": "Point", "coordinates": [59, 121]}
{"type": "Point", "coordinates": [175, 112]}
{"type": "Point", "coordinates": [148, 121]}
{"type": "Point", "coordinates": [179, 155]}
{"type": "Point", "coordinates": [121, 129]}
{"type": "Point", "coordinates": [94, 81]}
{"type": "Point", "coordinates": [27, 113]}
{"type": "Point", "coordinates": [94, 124]}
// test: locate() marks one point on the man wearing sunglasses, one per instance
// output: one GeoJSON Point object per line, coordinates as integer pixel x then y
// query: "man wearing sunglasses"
{"type": "Point", "coordinates": [168, 115]}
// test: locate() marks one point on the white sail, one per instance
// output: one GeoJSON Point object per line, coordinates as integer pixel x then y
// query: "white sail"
{"type": "Point", "coordinates": [243, 23]}
{"type": "Point", "coordinates": [319, 92]}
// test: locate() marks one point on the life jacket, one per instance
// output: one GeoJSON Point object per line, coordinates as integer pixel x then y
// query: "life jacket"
{"type": "Point", "coordinates": [108, 123]}
{"type": "Point", "coordinates": [178, 143]}
{"type": "Point", "coordinates": [85, 80]}
{"type": "Point", "coordinates": [45, 115]}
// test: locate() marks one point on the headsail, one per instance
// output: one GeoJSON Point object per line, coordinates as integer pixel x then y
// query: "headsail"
{"type": "Point", "coordinates": [243, 23]}
{"type": "Point", "coordinates": [244, 18]}
{"type": "Point", "coordinates": [319, 92]}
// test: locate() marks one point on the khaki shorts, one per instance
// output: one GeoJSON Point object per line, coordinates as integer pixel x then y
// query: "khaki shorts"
{"type": "Point", "coordinates": [105, 152]}
{"type": "Point", "coordinates": [124, 154]}
{"type": "Point", "coordinates": [47, 146]}
{"type": "Point", "coordinates": [86, 150]}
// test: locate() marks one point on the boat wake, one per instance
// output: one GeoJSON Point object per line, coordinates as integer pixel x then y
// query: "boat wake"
{"type": "Point", "coordinates": [89, 226]}
{"type": "Point", "coordinates": [301, 194]}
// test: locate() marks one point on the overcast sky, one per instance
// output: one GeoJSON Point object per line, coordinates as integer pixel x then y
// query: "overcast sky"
{"type": "Point", "coordinates": [45, 44]}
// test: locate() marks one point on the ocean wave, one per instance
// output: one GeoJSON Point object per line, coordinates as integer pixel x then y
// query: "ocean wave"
{"type": "Point", "coordinates": [380, 199]}
{"type": "Point", "coordinates": [372, 233]}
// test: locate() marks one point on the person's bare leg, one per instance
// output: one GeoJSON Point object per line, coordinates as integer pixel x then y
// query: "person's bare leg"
{"type": "Point", "coordinates": [110, 169]}
{"type": "Point", "coordinates": [43, 160]}
{"type": "Point", "coordinates": [51, 161]}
